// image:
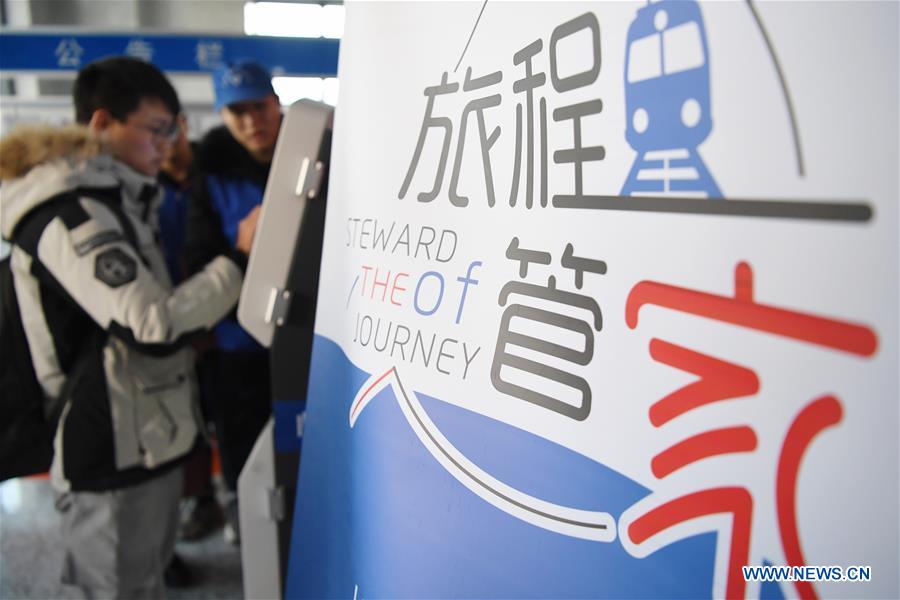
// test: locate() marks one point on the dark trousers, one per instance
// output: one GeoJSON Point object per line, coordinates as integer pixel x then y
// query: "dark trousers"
{"type": "Point", "coordinates": [237, 393]}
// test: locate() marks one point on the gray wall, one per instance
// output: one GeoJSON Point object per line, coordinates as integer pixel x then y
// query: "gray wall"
{"type": "Point", "coordinates": [220, 16]}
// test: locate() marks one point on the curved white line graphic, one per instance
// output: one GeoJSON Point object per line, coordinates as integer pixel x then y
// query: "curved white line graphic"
{"type": "Point", "coordinates": [584, 524]}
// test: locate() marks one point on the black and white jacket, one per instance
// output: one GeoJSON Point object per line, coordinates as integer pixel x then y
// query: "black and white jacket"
{"type": "Point", "coordinates": [105, 327]}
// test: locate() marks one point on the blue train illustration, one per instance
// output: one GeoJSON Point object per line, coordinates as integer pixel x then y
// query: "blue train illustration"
{"type": "Point", "coordinates": [667, 101]}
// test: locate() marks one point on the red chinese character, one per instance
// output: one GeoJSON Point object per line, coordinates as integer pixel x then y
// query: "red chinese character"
{"type": "Point", "coordinates": [720, 381]}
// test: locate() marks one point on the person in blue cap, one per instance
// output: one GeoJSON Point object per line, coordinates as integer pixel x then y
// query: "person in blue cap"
{"type": "Point", "coordinates": [233, 162]}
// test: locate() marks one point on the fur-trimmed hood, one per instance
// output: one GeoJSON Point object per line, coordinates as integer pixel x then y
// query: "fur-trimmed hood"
{"type": "Point", "coordinates": [37, 163]}
{"type": "Point", "coordinates": [30, 146]}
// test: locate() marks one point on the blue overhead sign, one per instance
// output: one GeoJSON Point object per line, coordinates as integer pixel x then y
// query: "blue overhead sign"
{"type": "Point", "coordinates": [20, 51]}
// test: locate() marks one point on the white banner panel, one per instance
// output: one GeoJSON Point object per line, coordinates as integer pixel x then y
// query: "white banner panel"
{"type": "Point", "coordinates": [610, 285]}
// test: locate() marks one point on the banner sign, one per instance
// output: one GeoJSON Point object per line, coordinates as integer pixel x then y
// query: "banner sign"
{"type": "Point", "coordinates": [172, 53]}
{"type": "Point", "coordinates": [608, 305]}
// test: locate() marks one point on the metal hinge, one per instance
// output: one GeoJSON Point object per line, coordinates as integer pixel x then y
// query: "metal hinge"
{"type": "Point", "coordinates": [276, 504]}
{"type": "Point", "coordinates": [309, 180]}
{"type": "Point", "coordinates": [277, 306]}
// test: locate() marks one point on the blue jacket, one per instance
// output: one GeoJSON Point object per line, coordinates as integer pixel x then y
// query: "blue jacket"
{"type": "Point", "coordinates": [228, 185]}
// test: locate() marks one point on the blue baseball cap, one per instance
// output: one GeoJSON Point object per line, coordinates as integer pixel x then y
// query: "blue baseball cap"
{"type": "Point", "coordinates": [240, 81]}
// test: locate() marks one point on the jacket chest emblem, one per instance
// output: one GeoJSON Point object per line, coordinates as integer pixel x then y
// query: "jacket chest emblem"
{"type": "Point", "coordinates": [114, 267]}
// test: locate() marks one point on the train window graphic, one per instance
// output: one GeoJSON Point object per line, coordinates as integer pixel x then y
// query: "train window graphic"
{"type": "Point", "coordinates": [667, 99]}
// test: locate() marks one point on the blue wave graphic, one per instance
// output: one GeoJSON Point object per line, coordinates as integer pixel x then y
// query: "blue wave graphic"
{"type": "Point", "coordinates": [378, 516]}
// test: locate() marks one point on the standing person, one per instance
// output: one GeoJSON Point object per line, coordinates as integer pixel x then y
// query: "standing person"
{"type": "Point", "coordinates": [201, 513]}
{"type": "Point", "coordinates": [176, 178]}
{"type": "Point", "coordinates": [105, 328]}
{"type": "Point", "coordinates": [233, 163]}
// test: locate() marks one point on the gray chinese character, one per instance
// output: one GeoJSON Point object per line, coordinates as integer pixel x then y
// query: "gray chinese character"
{"type": "Point", "coordinates": [561, 318]}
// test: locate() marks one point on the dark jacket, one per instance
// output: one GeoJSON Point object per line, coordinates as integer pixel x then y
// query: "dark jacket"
{"type": "Point", "coordinates": [229, 184]}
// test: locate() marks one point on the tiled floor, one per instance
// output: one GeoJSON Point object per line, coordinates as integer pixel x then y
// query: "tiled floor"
{"type": "Point", "coordinates": [31, 557]}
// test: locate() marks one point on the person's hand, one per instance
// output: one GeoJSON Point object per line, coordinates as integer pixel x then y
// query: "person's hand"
{"type": "Point", "coordinates": [247, 230]}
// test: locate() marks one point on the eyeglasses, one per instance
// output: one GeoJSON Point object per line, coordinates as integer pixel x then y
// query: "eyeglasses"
{"type": "Point", "coordinates": [168, 133]}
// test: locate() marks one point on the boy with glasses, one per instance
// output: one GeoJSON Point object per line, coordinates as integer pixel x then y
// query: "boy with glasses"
{"type": "Point", "coordinates": [106, 329]}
